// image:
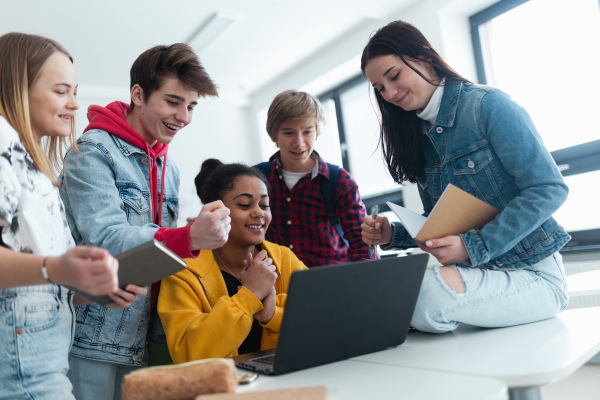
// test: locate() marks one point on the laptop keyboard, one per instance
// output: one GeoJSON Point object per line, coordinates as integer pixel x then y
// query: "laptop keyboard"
{"type": "Point", "coordinates": [270, 359]}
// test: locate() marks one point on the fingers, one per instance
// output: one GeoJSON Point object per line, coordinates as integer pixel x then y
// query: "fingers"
{"type": "Point", "coordinates": [371, 230]}
{"type": "Point", "coordinates": [211, 228]}
{"type": "Point", "coordinates": [125, 298]}
{"type": "Point", "coordinates": [121, 299]}
{"type": "Point", "coordinates": [261, 258]}
{"type": "Point", "coordinates": [215, 205]}
{"type": "Point", "coordinates": [442, 242]}
{"type": "Point", "coordinates": [91, 269]}
{"type": "Point", "coordinates": [136, 290]}
{"type": "Point", "coordinates": [95, 253]}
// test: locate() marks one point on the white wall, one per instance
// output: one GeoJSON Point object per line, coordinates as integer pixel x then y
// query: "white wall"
{"type": "Point", "coordinates": [445, 24]}
{"type": "Point", "coordinates": [232, 132]}
{"type": "Point", "coordinates": [218, 130]}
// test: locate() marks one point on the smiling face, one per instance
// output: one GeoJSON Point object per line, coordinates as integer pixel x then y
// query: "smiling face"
{"type": "Point", "coordinates": [52, 102]}
{"type": "Point", "coordinates": [296, 140]}
{"type": "Point", "coordinates": [168, 110]}
{"type": "Point", "coordinates": [248, 202]}
{"type": "Point", "coordinates": [399, 84]}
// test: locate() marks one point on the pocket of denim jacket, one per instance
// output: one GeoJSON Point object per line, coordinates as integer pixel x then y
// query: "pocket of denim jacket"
{"type": "Point", "coordinates": [476, 170]}
{"type": "Point", "coordinates": [173, 208]}
{"type": "Point", "coordinates": [473, 162]}
{"type": "Point", "coordinates": [135, 198]}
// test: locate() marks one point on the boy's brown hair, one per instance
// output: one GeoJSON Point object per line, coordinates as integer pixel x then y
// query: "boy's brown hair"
{"type": "Point", "coordinates": [293, 105]}
{"type": "Point", "coordinates": [178, 61]}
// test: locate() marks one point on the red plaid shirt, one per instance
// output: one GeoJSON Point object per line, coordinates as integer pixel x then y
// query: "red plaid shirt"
{"type": "Point", "coordinates": [300, 222]}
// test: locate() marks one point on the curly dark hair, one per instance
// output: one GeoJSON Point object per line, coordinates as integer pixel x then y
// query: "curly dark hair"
{"type": "Point", "coordinates": [215, 178]}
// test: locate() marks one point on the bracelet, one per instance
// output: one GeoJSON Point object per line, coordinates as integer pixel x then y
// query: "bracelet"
{"type": "Point", "coordinates": [45, 271]}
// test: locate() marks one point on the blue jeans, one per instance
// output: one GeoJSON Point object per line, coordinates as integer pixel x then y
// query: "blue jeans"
{"type": "Point", "coordinates": [492, 298]}
{"type": "Point", "coordinates": [36, 331]}
{"type": "Point", "coordinates": [97, 380]}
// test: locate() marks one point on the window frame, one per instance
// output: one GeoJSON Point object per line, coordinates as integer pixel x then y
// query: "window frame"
{"type": "Point", "coordinates": [394, 196]}
{"type": "Point", "coordinates": [578, 159]}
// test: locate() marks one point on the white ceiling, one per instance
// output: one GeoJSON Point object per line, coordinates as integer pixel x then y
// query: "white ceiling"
{"type": "Point", "coordinates": [266, 38]}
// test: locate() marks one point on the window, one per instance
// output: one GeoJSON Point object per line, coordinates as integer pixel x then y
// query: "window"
{"type": "Point", "coordinates": [353, 114]}
{"type": "Point", "coordinates": [545, 54]}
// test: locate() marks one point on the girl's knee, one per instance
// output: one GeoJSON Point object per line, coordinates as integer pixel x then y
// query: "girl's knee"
{"type": "Point", "coordinates": [453, 279]}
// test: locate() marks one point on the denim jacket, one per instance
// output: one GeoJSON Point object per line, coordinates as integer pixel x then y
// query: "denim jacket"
{"type": "Point", "coordinates": [106, 192]}
{"type": "Point", "coordinates": [486, 144]}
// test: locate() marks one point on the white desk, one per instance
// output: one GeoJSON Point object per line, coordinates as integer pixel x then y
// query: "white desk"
{"type": "Point", "coordinates": [349, 380]}
{"type": "Point", "coordinates": [524, 357]}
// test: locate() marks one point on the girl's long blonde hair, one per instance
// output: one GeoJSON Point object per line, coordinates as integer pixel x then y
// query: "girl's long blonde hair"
{"type": "Point", "coordinates": [21, 59]}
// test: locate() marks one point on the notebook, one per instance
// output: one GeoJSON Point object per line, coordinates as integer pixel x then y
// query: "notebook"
{"type": "Point", "coordinates": [142, 265]}
{"type": "Point", "coordinates": [454, 213]}
{"type": "Point", "coordinates": [336, 312]}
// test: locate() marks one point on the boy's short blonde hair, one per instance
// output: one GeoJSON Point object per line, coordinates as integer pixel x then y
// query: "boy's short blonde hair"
{"type": "Point", "coordinates": [293, 105]}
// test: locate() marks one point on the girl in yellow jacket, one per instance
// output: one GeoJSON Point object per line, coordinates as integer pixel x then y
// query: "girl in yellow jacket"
{"type": "Point", "coordinates": [230, 300]}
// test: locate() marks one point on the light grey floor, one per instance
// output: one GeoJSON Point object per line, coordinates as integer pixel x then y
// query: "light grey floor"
{"type": "Point", "coordinates": [583, 384]}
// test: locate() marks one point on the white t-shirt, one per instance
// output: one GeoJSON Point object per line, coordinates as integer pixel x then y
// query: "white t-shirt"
{"type": "Point", "coordinates": [32, 216]}
{"type": "Point", "coordinates": [291, 178]}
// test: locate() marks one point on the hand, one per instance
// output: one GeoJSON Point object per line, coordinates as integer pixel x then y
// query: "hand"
{"type": "Point", "coordinates": [448, 250]}
{"type": "Point", "coordinates": [376, 231]}
{"type": "Point", "coordinates": [125, 298]}
{"type": "Point", "coordinates": [259, 274]}
{"type": "Point", "coordinates": [265, 315]}
{"type": "Point", "coordinates": [90, 269]}
{"type": "Point", "coordinates": [190, 220]}
{"type": "Point", "coordinates": [210, 229]}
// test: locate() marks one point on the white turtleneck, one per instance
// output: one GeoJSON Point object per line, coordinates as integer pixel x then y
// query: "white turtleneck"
{"type": "Point", "coordinates": [431, 110]}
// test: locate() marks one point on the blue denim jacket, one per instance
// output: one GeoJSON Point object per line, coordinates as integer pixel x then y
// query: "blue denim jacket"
{"type": "Point", "coordinates": [486, 144]}
{"type": "Point", "coordinates": [106, 193]}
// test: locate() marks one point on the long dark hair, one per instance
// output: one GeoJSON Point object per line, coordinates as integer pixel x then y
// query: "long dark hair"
{"type": "Point", "coordinates": [215, 178]}
{"type": "Point", "coordinates": [401, 140]}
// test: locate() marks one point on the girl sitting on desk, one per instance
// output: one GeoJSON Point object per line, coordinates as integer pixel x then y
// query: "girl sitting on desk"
{"type": "Point", "coordinates": [438, 128]}
{"type": "Point", "coordinates": [230, 300]}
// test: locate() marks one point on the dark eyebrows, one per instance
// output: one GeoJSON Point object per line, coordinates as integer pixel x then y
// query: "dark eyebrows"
{"type": "Point", "coordinates": [384, 74]}
{"type": "Point", "coordinates": [248, 195]}
{"type": "Point", "coordinates": [388, 70]}
{"type": "Point", "coordinates": [179, 98]}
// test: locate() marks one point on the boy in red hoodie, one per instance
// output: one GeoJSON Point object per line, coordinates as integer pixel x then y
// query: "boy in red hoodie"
{"type": "Point", "coordinates": [119, 191]}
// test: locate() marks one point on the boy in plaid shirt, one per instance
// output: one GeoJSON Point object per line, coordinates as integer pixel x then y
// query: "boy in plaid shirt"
{"type": "Point", "coordinates": [297, 175]}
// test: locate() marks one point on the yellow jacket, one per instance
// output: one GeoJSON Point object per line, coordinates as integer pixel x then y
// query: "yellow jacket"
{"type": "Point", "coordinates": [202, 321]}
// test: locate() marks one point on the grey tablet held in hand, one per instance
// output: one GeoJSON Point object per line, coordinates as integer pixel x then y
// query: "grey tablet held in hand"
{"type": "Point", "coordinates": [142, 265]}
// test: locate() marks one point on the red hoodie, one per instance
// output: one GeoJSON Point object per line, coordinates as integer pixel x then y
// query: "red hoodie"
{"type": "Point", "coordinates": [112, 119]}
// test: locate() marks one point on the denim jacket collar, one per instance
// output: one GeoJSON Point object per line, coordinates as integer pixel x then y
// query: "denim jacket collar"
{"type": "Point", "coordinates": [449, 106]}
{"type": "Point", "coordinates": [126, 148]}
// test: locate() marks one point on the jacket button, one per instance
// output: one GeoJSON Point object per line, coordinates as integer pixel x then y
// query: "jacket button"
{"type": "Point", "coordinates": [144, 160]}
{"type": "Point", "coordinates": [134, 357]}
{"type": "Point", "coordinates": [439, 129]}
{"type": "Point", "coordinates": [289, 222]}
{"type": "Point", "coordinates": [280, 177]}
{"type": "Point", "coordinates": [291, 246]}
{"type": "Point", "coordinates": [471, 164]}
{"type": "Point", "coordinates": [288, 199]}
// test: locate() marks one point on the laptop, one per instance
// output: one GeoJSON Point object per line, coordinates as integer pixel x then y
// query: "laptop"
{"type": "Point", "coordinates": [336, 312]}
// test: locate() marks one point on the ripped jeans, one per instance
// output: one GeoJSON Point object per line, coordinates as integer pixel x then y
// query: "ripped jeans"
{"type": "Point", "coordinates": [492, 298]}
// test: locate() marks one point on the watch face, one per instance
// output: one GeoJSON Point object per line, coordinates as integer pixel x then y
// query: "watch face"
{"type": "Point", "coordinates": [243, 378]}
